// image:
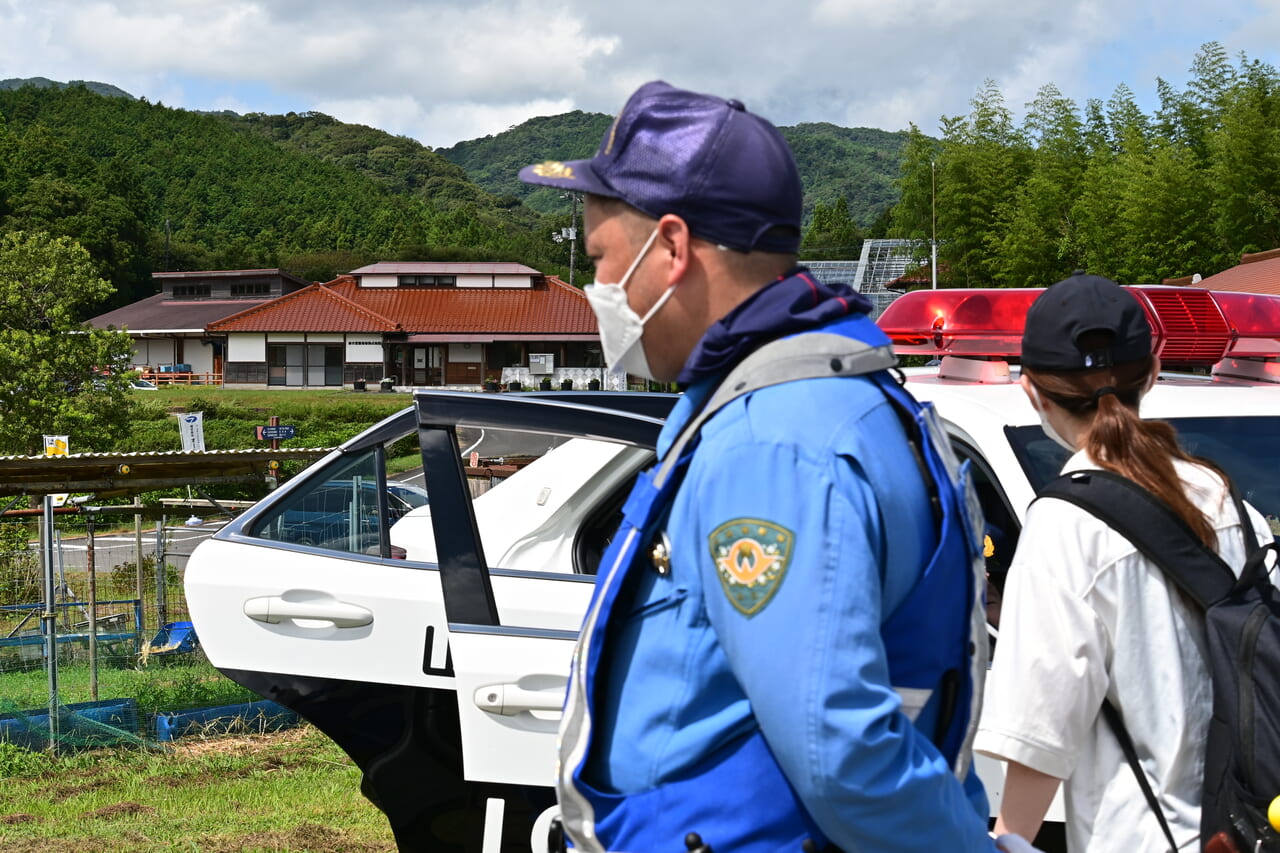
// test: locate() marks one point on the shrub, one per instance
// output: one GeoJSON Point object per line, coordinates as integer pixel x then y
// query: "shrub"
{"type": "Point", "coordinates": [20, 581]}
{"type": "Point", "coordinates": [124, 577]}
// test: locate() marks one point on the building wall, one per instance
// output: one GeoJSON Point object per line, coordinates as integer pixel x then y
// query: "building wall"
{"type": "Point", "coordinates": [364, 349]}
{"type": "Point", "coordinates": [525, 281]}
{"type": "Point", "coordinates": [247, 347]}
{"type": "Point", "coordinates": [153, 351]}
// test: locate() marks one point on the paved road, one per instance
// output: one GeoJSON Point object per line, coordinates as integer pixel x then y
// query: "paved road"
{"type": "Point", "coordinates": [113, 549]}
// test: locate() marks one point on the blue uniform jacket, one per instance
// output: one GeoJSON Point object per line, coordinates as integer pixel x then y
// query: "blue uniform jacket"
{"type": "Point", "coordinates": [823, 463]}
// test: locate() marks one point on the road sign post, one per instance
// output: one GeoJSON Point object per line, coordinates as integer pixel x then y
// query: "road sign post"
{"type": "Point", "coordinates": [275, 433]}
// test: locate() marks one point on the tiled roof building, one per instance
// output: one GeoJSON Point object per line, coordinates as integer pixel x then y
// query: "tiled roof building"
{"type": "Point", "coordinates": [1258, 272]}
{"type": "Point", "coordinates": [418, 324]}
{"type": "Point", "coordinates": [169, 329]}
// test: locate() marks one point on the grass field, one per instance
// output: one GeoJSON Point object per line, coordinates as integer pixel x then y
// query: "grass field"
{"type": "Point", "coordinates": [158, 687]}
{"type": "Point", "coordinates": [285, 792]}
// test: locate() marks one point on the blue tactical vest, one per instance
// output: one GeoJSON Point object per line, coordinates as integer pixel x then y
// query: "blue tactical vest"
{"type": "Point", "coordinates": [948, 668]}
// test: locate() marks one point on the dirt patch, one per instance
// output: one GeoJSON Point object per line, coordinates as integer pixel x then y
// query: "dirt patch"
{"type": "Point", "coordinates": [17, 818]}
{"type": "Point", "coordinates": [62, 792]}
{"type": "Point", "coordinates": [124, 809]}
{"type": "Point", "coordinates": [311, 837]}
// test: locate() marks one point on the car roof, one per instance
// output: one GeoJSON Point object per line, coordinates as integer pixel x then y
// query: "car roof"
{"type": "Point", "coordinates": [978, 413]}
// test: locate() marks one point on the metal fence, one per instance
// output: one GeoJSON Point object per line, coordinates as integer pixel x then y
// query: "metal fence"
{"type": "Point", "coordinates": [83, 607]}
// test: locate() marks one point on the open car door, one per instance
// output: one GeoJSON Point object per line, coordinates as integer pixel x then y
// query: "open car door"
{"type": "Point", "coordinates": [511, 662]}
{"type": "Point", "coordinates": [333, 597]}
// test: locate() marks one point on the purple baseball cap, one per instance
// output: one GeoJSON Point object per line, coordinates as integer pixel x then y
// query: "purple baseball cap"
{"type": "Point", "coordinates": [726, 172]}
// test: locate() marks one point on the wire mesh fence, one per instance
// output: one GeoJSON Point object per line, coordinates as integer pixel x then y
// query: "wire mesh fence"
{"type": "Point", "coordinates": [110, 656]}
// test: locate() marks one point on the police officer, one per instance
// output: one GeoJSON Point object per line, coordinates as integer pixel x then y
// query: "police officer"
{"type": "Point", "coordinates": [736, 674]}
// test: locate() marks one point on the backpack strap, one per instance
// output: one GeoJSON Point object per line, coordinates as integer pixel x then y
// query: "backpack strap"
{"type": "Point", "coordinates": [1112, 715]}
{"type": "Point", "coordinates": [1152, 527]}
{"type": "Point", "coordinates": [1163, 537]}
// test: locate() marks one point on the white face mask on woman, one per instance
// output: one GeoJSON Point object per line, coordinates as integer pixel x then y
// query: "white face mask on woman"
{"type": "Point", "coordinates": [1044, 421]}
{"type": "Point", "coordinates": [621, 328]}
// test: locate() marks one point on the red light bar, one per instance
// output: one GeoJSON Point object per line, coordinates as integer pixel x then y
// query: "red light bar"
{"type": "Point", "coordinates": [1189, 326]}
{"type": "Point", "coordinates": [1254, 319]}
{"type": "Point", "coordinates": [958, 322]}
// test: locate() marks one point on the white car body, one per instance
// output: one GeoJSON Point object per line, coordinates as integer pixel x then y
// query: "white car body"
{"type": "Point", "coordinates": [481, 618]}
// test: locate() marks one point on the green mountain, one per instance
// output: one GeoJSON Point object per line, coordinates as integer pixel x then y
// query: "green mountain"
{"type": "Point", "coordinates": [145, 188]}
{"type": "Point", "coordinates": [494, 162]}
{"type": "Point", "coordinates": [104, 89]}
{"type": "Point", "coordinates": [860, 164]}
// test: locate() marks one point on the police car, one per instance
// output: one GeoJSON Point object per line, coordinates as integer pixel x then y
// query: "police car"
{"type": "Point", "coordinates": [433, 646]}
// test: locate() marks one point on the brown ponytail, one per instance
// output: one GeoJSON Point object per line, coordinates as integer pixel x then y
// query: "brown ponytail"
{"type": "Point", "coordinates": [1119, 440]}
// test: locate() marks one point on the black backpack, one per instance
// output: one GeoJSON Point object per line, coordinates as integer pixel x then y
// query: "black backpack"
{"type": "Point", "coordinates": [1242, 621]}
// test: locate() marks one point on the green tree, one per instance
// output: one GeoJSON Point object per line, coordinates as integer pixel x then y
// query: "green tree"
{"type": "Point", "coordinates": [1034, 242]}
{"type": "Point", "coordinates": [57, 376]}
{"type": "Point", "coordinates": [832, 234]}
{"type": "Point", "coordinates": [912, 217]}
{"type": "Point", "coordinates": [1245, 164]}
{"type": "Point", "coordinates": [1164, 227]}
{"type": "Point", "coordinates": [983, 161]}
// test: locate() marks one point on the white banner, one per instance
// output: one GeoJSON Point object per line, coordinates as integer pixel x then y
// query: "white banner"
{"type": "Point", "coordinates": [191, 425]}
{"type": "Point", "coordinates": [58, 445]}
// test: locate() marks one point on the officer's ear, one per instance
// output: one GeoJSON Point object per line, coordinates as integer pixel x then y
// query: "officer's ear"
{"type": "Point", "coordinates": [674, 247]}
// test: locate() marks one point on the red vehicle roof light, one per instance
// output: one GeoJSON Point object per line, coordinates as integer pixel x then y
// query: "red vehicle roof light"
{"type": "Point", "coordinates": [1254, 320]}
{"type": "Point", "coordinates": [958, 322]}
{"type": "Point", "coordinates": [1187, 326]}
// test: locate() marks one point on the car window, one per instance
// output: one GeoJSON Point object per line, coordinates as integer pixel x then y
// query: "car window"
{"type": "Point", "coordinates": [1244, 447]}
{"type": "Point", "coordinates": [340, 508]}
{"type": "Point", "coordinates": [541, 502]}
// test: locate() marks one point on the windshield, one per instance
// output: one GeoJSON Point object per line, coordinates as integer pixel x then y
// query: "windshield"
{"type": "Point", "coordinates": [1245, 448]}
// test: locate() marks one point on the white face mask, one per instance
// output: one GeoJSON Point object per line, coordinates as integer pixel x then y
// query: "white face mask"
{"type": "Point", "coordinates": [1044, 421]}
{"type": "Point", "coordinates": [620, 327]}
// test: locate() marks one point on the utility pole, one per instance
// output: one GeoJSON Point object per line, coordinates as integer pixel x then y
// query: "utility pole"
{"type": "Point", "coordinates": [573, 232]}
{"type": "Point", "coordinates": [933, 240]}
{"type": "Point", "coordinates": [570, 233]}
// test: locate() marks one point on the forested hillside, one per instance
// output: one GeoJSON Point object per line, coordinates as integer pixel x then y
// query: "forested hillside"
{"type": "Point", "coordinates": [859, 164]}
{"type": "Point", "coordinates": [494, 162]}
{"type": "Point", "coordinates": [146, 188]}
{"type": "Point", "coordinates": [1106, 188]}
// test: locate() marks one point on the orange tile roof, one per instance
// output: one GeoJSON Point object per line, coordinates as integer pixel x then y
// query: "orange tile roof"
{"type": "Point", "coordinates": [318, 308]}
{"type": "Point", "coordinates": [1257, 273]}
{"type": "Point", "coordinates": [550, 307]}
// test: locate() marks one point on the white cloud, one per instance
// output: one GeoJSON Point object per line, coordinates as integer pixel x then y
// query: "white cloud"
{"type": "Point", "coordinates": [447, 70]}
{"type": "Point", "coordinates": [442, 126]}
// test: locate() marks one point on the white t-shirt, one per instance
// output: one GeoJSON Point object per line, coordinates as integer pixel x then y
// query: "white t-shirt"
{"type": "Point", "coordinates": [1085, 616]}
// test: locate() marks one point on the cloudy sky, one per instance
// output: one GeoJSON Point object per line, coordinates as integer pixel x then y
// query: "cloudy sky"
{"type": "Point", "coordinates": [442, 71]}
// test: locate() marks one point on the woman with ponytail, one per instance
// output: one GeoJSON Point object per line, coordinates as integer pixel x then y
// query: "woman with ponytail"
{"type": "Point", "coordinates": [1086, 617]}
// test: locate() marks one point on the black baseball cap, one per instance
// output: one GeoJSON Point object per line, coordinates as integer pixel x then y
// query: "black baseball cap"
{"type": "Point", "coordinates": [726, 172]}
{"type": "Point", "coordinates": [1074, 306]}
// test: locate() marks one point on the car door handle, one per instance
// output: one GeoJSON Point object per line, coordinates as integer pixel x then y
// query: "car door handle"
{"type": "Point", "coordinates": [510, 699]}
{"type": "Point", "coordinates": [274, 609]}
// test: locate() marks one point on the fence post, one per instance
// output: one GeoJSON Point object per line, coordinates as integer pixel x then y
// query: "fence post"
{"type": "Point", "coordinates": [162, 604]}
{"type": "Point", "coordinates": [142, 590]}
{"type": "Point", "coordinates": [93, 607]}
{"type": "Point", "coordinates": [50, 620]}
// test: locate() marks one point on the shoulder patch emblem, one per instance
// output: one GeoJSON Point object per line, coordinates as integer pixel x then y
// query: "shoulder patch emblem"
{"type": "Point", "coordinates": [751, 558]}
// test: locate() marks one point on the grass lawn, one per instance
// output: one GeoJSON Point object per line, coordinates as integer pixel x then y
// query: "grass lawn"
{"type": "Point", "coordinates": [270, 398]}
{"type": "Point", "coordinates": [282, 792]}
{"type": "Point", "coordinates": [158, 687]}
